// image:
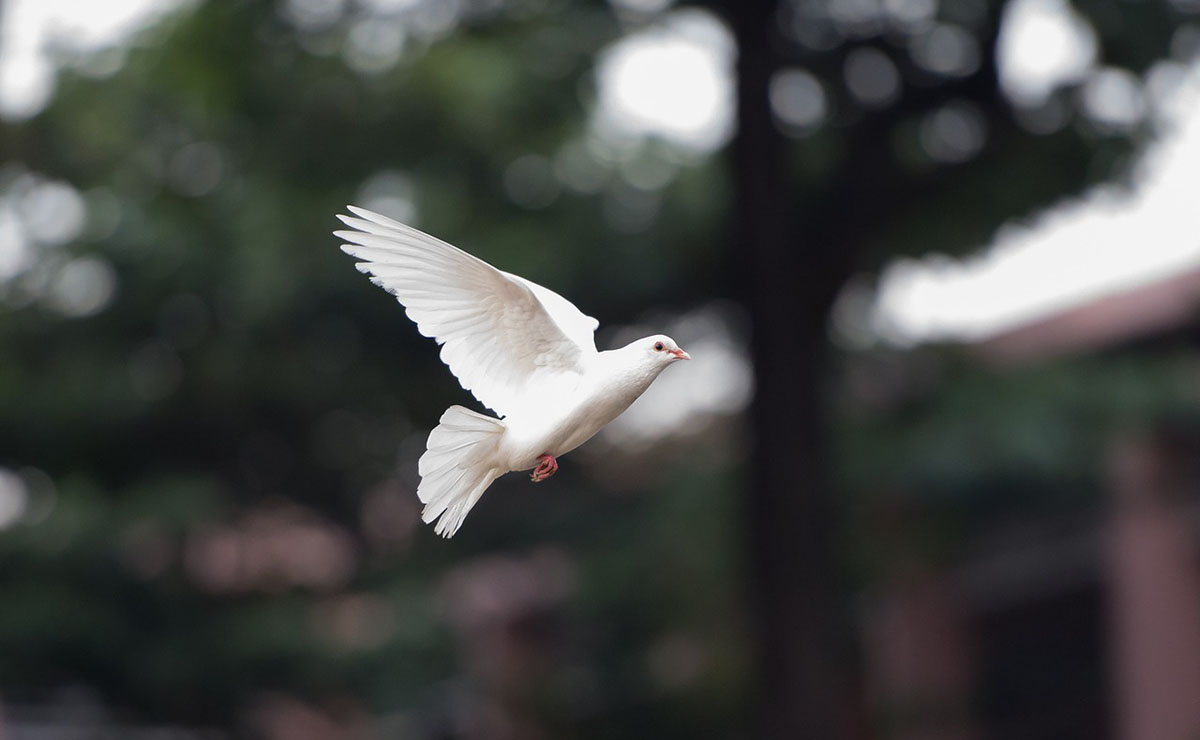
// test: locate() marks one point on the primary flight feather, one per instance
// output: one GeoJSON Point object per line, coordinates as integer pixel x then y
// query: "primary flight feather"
{"type": "Point", "coordinates": [523, 350]}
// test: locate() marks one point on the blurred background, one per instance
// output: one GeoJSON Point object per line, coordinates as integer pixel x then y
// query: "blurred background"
{"type": "Point", "coordinates": [931, 474]}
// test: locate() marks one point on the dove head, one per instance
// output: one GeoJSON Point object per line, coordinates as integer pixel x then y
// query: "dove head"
{"type": "Point", "coordinates": [662, 349]}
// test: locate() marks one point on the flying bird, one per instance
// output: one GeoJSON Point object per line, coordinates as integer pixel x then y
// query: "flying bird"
{"type": "Point", "coordinates": [522, 350]}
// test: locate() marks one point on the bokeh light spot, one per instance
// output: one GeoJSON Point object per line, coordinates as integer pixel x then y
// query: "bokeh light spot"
{"type": "Point", "coordinates": [910, 16]}
{"type": "Point", "coordinates": [946, 50]}
{"type": "Point", "coordinates": [83, 287]}
{"type": "Point", "coordinates": [374, 45]}
{"type": "Point", "coordinates": [648, 172]}
{"type": "Point", "coordinates": [647, 7]}
{"type": "Point", "coordinates": [871, 78]}
{"type": "Point", "coordinates": [1043, 45]}
{"type": "Point", "coordinates": [954, 133]}
{"type": "Point", "coordinates": [16, 253]}
{"type": "Point", "coordinates": [672, 80]}
{"type": "Point", "coordinates": [798, 100]}
{"type": "Point", "coordinates": [856, 18]}
{"type": "Point", "coordinates": [1113, 100]}
{"type": "Point", "coordinates": [391, 193]}
{"type": "Point", "coordinates": [52, 211]}
{"type": "Point", "coordinates": [313, 15]}
{"type": "Point", "coordinates": [14, 498]}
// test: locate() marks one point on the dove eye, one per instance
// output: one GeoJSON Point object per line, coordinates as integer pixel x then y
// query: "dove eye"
{"type": "Point", "coordinates": [658, 346]}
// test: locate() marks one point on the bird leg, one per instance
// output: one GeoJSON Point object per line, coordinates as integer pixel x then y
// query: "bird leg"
{"type": "Point", "coordinates": [547, 466]}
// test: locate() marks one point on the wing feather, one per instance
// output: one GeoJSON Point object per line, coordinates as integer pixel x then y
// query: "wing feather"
{"type": "Point", "coordinates": [502, 336]}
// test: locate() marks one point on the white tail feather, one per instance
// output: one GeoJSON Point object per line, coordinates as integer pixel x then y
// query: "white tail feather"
{"type": "Point", "coordinates": [457, 467]}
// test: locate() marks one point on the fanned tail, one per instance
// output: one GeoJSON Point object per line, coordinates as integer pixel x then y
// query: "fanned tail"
{"type": "Point", "coordinates": [458, 466]}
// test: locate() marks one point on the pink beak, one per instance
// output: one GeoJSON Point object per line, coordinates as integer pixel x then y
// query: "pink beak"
{"type": "Point", "coordinates": [680, 354]}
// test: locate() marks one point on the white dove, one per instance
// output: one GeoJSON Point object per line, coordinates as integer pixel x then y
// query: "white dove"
{"type": "Point", "coordinates": [523, 350]}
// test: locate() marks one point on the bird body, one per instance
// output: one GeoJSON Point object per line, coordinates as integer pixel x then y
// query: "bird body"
{"type": "Point", "coordinates": [521, 349]}
{"type": "Point", "coordinates": [610, 383]}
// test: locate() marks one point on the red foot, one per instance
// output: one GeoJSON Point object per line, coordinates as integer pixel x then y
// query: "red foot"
{"type": "Point", "coordinates": [547, 466]}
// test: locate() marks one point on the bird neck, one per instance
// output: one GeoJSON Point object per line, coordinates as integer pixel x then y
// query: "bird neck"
{"type": "Point", "coordinates": [630, 366]}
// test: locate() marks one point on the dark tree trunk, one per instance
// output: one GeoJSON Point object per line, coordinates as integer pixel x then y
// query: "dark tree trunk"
{"type": "Point", "coordinates": [789, 281]}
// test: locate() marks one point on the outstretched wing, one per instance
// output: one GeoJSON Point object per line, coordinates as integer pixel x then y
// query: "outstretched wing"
{"type": "Point", "coordinates": [502, 336]}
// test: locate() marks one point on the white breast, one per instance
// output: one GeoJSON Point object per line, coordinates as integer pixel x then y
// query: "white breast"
{"type": "Point", "coordinates": [563, 424]}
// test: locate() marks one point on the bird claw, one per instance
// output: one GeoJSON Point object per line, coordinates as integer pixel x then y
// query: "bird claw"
{"type": "Point", "coordinates": [547, 466]}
